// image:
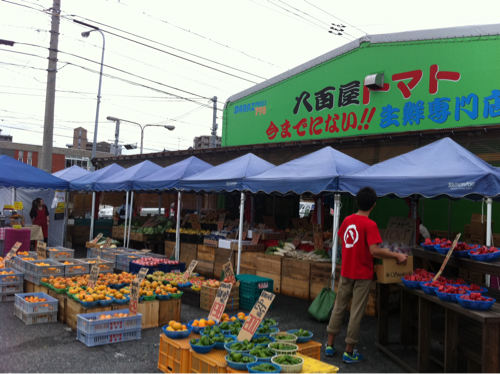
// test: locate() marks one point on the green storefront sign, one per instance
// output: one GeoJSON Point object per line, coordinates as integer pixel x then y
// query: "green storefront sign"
{"type": "Point", "coordinates": [447, 83]}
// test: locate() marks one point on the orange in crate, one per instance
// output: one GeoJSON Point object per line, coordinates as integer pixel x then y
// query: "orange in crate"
{"type": "Point", "coordinates": [174, 354]}
{"type": "Point", "coordinates": [310, 349]}
{"type": "Point", "coordinates": [212, 362]}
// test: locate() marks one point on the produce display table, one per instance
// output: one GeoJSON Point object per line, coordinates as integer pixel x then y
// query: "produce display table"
{"type": "Point", "coordinates": [488, 320]}
{"type": "Point", "coordinates": [311, 365]}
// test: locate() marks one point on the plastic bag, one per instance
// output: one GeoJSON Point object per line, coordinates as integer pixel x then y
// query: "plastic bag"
{"type": "Point", "coordinates": [321, 307]}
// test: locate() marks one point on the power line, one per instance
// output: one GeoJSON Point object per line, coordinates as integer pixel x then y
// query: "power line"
{"type": "Point", "coordinates": [324, 11]}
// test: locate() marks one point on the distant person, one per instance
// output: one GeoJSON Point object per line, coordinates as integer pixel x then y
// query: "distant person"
{"type": "Point", "coordinates": [359, 245]}
{"type": "Point", "coordinates": [40, 216]}
{"type": "Point", "coordinates": [122, 211]}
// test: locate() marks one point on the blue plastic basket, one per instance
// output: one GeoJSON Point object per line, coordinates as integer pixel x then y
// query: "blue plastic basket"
{"type": "Point", "coordinates": [475, 305]}
{"type": "Point", "coordinates": [16, 277]}
{"type": "Point", "coordinates": [238, 365]}
{"type": "Point", "coordinates": [163, 297]}
{"type": "Point", "coordinates": [443, 251]}
{"type": "Point", "coordinates": [201, 349]}
{"type": "Point", "coordinates": [228, 345]}
{"type": "Point", "coordinates": [271, 331]}
{"type": "Point", "coordinates": [92, 340]}
{"type": "Point", "coordinates": [89, 304]}
{"type": "Point", "coordinates": [413, 285]}
{"type": "Point", "coordinates": [106, 302]}
{"type": "Point", "coordinates": [428, 290]}
{"type": "Point", "coordinates": [226, 332]}
{"type": "Point", "coordinates": [50, 305]}
{"type": "Point", "coordinates": [428, 247]}
{"type": "Point", "coordinates": [450, 297]}
{"type": "Point", "coordinates": [123, 301]}
{"type": "Point", "coordinates": [181, 267]}
{"type": "Point", "coordinates": [196, 329]}
{"type": "Point", "coordinates": [271, 340]}
{"type": "Point", "coordinates": [485, 258]}
{"type": "Point", "coordinates": [220, 346]}
{"type": "Point", "coordinates": [461, 254]}
{"type": "Point", "coordinates": [177, 334]}
{"type": "Point", "coordinates": [250, 366]}
{"type": "Point", "coordinates": [482, 292]}
{"type": "Point", "coordinates": [301, 339]}
{"type": "Point", "coordinates": [91, 324]}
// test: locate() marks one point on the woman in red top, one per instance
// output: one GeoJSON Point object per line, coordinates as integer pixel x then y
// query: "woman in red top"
{"type": "Point", "coordinates": [40, 216]}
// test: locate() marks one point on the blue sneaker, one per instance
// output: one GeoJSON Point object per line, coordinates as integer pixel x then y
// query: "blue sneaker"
{"type": "Point", "coordinates": [330, 350]}
{"type": "Point", "coordinates": [352, 359]}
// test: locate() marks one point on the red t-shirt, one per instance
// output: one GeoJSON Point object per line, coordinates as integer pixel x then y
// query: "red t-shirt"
{"type": "Point", "coordinates": [357, 234]}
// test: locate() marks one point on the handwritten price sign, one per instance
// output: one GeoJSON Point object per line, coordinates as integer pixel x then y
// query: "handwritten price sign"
{"type": "Point", "coordinates": [256, 316]}
{"type": "Point", "coordinates": [134, 291]}
{"type": "Point", "coordinates": [220, 301]}
{"type": "Point", "coordinates": [13, 251]}
{"type": "Point", "coordinates": [190, 269]}
{"type": "Point", "coordinates": [41, 253]}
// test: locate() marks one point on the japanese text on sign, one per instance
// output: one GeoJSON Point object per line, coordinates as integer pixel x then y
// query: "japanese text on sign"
{"type": "Point", "coordinates": [256, 316]}
{"type": "Point", "coordinates": [94, 273]}
{"type": "Point", "coordinates": [256, 236]}
{"type": "Point", "coordinates": [232, 224]}
{"type": "Point", "coordinates": [318, 236]}
{"type": "Point", "coordinates": [399, 229]}
{"type": "Point", "coordinates": [220, 222]}
{"type": "Point", "coordinates": [18, 205]}
{"type": "Point", "coordinates": [96, 239]}
{"type": "Point", "coordinates": [190, 269]}
{"type": "Point", "coordinates": [220, 301]}
{"type": "Point", "coordinates": [185, 219]}
{"type": "Point", "coordinates": [108, 242]}
{"type": "Point", "coordinates": [229, 272]}
{"type": "Point", "coordinates": [13, 251]}
{"type": "Point", "coordinates": [41, 253]}
{"type": "Point", "coordinates": [296, 242]}
{"type": "Point", "coordinates": [195, 222]}
{"type": "Point", "coordinates": [134, 291]}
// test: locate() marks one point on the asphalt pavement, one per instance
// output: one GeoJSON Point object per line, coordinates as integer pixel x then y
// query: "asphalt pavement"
{"type": "Point", "coordinates": [53, 347]}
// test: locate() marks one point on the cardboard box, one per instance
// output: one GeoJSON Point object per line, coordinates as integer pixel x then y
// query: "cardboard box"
{"type": "Point", "coordinates": [388, 271]}
{"type": "Point", "coordinates": [467, 229]}
{"type": "Point", "coordinates": [478, 228]}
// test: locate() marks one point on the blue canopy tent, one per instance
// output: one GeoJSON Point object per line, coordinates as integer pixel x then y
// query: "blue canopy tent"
{"type": "Point", "coordinates": [72, 173]}
{"type": "Point", "coordinates": [123, 181]}
{"type": "Point", "coordinates": [227, 177]}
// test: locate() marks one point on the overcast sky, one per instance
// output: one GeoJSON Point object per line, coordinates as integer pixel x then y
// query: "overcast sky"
{"type": "Point", "coordinates": [246, 41]}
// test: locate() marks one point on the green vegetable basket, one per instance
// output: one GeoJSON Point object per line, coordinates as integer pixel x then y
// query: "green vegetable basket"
{"type": "Point", "coordinates": [289, 368]}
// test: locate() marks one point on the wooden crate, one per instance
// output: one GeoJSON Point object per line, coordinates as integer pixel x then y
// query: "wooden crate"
{"type": "Point", "coordinates": [217, 271]}
{"type": "Point", "coordinates": [275, 277]}
{"type": "Point", "coordinates": [321, 271]}
{"type": "Point", "coordinates": [118, 232]}
{"type": "Point", "coordinates": [41, 288]}
{"type": "Point", "coordinates": [169, 310]}
{"type": "Point", "coordinates": [73, 309]}
{"type": "Point", "coordinates": [232, 303]}
{"type": "Point", "coordinates": [61, 308]}
{"type": "Point", "coordinates": [248, 247]}
{"type": "Point", "coordinates": [28, 287]}
{"type": "Point", "coordinates": [315, 289]}
{"type": "Point", "coordinates": [212, 292]}
{"type": "Point", "coordinates": [169, 248]}
{"type": "Point", "coordinates": [248, 259]}
{"type": "Point", "coordinates": [269, 263]}
{"type": "Point", "coordinates": [150, 311]}
{"type": "Point", "coordinates": [245, 270]}
{"type": "Point", "coordinates": [295, 288]}
{"type": "Point", "coordinates": [188, 252]}
{"type": "Point", "coordinates": [205, 268]}
{"type": "Point", "coordinates": [296, 269]}
{"type": "Point", "coordinates": [222, 256]}
{"type": "Point", "coordinates": [206, 253]}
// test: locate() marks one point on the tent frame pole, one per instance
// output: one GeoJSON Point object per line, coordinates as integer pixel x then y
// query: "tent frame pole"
{"type": "Point", "coordinates": [92, 218]}
{"type": "Point", "coordinates": [489, 204]}
{"type": "Point", "coordinates": [336, 219]}
{"type": "Point", "coordinates": [240, 230]}
{"type": "Point", "coordinates": [178, 228]}
{"type": "Point", "coordinates": [130, 221]}
{"type": "Point", "coordinates": [125, 228]}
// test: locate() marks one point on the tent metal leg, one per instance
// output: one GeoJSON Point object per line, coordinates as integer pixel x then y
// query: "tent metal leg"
{"type": "Point", "coordinates": [336, 219]}
{"type": "Point", "coordinates": [126, 216]}
{"type": "Point", "coordinates": [130, 221]}
{"type": "Point", "coordinates": [91, 234]}
{"type": "Point", "coordinates": [178, 228]}
{"type": "Point", "coordinates": [240, 230]}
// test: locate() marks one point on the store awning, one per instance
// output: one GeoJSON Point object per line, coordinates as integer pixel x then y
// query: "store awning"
{"type": "Point", "coordinates": [315, 173]}
{"type": "Point", "coordinates": [169, 177]}
{"type": "Point", "coordinates": [227, 176]}
{"type": "Point", "coordinates": [71, 173]}
{"type": "Point", "coordinates": [123, 180]}
{"type": "Point", "coordinates": [17, 174]}
{"type": "Point", "coordinates": [87, 182]}
{"type": "Point", "coordinates": [442, 168]}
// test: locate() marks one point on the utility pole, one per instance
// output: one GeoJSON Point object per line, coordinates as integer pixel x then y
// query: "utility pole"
{"type": "Point", "coordinates": [50, 96]}
{"type": "Point", "coordinates": [214, 124]}
{"type": "Point", "coordinates": [117, 134]}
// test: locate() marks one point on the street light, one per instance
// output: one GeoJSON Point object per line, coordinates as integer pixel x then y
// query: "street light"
{"type": "Point", "coordinates": [86, 34]}
{"type": "Point", "coordinates": [114, 119]}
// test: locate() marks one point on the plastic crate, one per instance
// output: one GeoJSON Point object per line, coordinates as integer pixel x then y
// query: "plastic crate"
{"type": "Point", "coordinates": [15, 278]}
{"type": "Point", "coordinates": [17, 260]}
{"type": "Point", "coordinates": [104, 266]}
{"type": "Point", "coordinates": [252, 285]}
{"type": "Point", "coordinates": [61, 253]}
{"type": "Point", "coordinates": [212, 362]}
{"type": "Point", "coordinates": [110, 256]}
{"type": "Point", "coordinates": [122, 267]}
{"type": "Point", "coordinates": [35, 279]}
{"type": "Point", "coordinates": [35, 318]}
{"type": "Point", "coordinates": [4, 297]}
{"type": "Point", "coordinates": [174, 354]}
{"type": "Point", "coordinates": [248, 302]}
{"type": "Point", "coordinates": [50, 305]}
{"type": "Point", "coordinates": [312, 365]}
{"type": "Point", "coordinates": [93, 340]}
{"type": "Point", "coordinates": [127, 258]}
{"type": "Point", "coordinates": [91, 324]}
{"type": "Point", "coordinates": [11, 265]}
{"type": "Point", "coordinates": [55, 268]}
{"type": "Point", "coordinates": [11, 288]}
{"type": "Point", "coordinates": [76, 267]}
{"type": "Point", "coordinates": [310, 349]}
{"type": "Point", "coordinates": [23, 264]}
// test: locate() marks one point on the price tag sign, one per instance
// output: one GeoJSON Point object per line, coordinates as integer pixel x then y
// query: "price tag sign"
{"type": "Point", "coordinates": [220, 222]}
{"type": "Point", "coordinates": [220, 302]}
{"type": "Point", "coordinates": [13, 251]}
{"type": "Point", "coordinates": [184, 220]}
{"type": "Point", "coordinates": [195, 222]}
{"type": "Point", "coordinates": [256, 316]}
{"type": "Point", "coordinates": [41, 253]}
{"type": "Point", "coordinates": [256, 236]}
{"type": "Point", "coordinates": [318, 236]}
{"type": "Point", "coordinates": [246, 227]}
{"type": "Point", "coordinates": [296, 242]}
{"type": "Point", "coordinates": [18, 205]}
{"type": "Point", "coordinates": [447, 257]}
{"type": "Point", "coordinates": [96, 239]}
{"type": "Point", "coordinates": [229, 272]}
{"type": "Point", "coordinates": [134, 291]}
{"type": "Point", "coordinates": [190, 269]}
{"type": "Point", "coordinates": [232, 224]}
{"type": "Point", "coordinates": [107, 243]}
{"type": "Point", "coordinates": [94, 274]}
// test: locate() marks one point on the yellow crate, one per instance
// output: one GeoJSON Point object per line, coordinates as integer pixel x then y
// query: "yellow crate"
{"type": "Point", "coordinates": [231, 370]}
{"type": "Point", "coordinates": [212, 362]}
{"type": "Point", "coordinates": [312, 365]}
{"type": "Point", "coordinates": [174, 354]}
{"type": "Point", "coordinates": [310, 349]}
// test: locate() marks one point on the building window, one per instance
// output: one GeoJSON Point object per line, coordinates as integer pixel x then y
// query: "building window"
{"type": "Point", "coordinates": [30, 158]}
{"type": "Point", "coordinates": [21, 156]}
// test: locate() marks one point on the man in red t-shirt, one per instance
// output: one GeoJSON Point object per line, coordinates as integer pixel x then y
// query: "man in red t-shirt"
{"type": "Point", "coordinates": [360, 240]}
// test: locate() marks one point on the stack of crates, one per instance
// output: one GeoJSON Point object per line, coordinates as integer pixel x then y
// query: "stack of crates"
{"type": "Point", "coordinates": [123, 260]}
{"type": "Point", "coordinates": [104, 266]}
{"type": "Point", "coordinates": [36, 270]}
{"type": "Point", "coordinates": [74, 267]}
{"type": "Point", "coordinates": [174, 355]}
{"type": "Point", "coordinates": [33, 313]}
{"type": "Point", "coordinates": [251, 286]}
{"type": "Point", "coordinates": [11, 282]}
{"type": "Point", "coordinates": [18, 263]}
{"type": "Point", "coordinates": [60, 253]}
{"type": "Point", "coordinates": [94, 329]}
